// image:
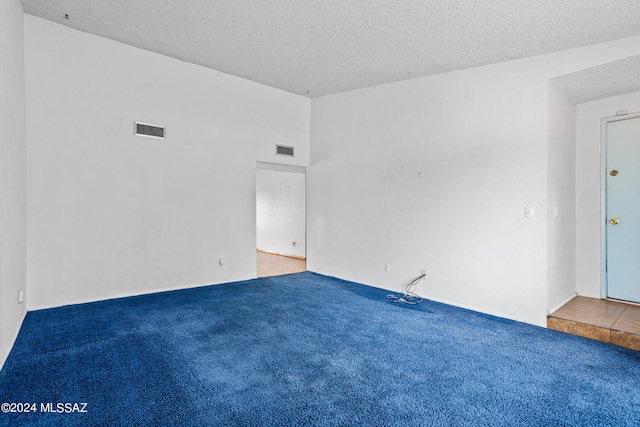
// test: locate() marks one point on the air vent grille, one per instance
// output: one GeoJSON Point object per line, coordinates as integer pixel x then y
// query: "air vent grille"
{"type": "Point", "coordinates": [150, 131]}
{"type": "Point", "coordinates": [284, 150]}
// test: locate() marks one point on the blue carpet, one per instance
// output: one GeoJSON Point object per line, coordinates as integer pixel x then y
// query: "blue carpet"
{"type": "Point", "coordinates": [306, 349]}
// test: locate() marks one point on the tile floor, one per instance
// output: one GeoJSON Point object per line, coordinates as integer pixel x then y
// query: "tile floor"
{"type": "Point", "coordinates": [603, 320]}
{"type": "Point", "coordinates": [277, 265]}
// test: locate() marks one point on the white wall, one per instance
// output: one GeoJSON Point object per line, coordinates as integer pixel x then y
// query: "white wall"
{"type": "Point", "coordinates": [111, 214]}
{"type": "Point", "coordinates": [435, 173]}
{"type": "Point", "coordinates": [280, 212]}
{"type": "Point", "coordinates": [12, 174]}
{"type": "Point", "coordinates": [561, 280]}
{"type": "Point", "coordinates": [588, 186]}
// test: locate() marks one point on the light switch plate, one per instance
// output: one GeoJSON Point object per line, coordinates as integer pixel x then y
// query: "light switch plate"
{"type": "Point", "coordinates": [528, 211]}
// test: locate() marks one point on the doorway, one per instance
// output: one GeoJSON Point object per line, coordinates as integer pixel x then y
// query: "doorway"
{"type": "Point", "coordinates": [621, 207]}
{"type": "Point", "coordinates": [280, 219]}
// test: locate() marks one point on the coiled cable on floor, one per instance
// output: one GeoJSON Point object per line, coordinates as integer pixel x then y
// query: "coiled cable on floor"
{"type": "Point", "coordinates": [407, 297]}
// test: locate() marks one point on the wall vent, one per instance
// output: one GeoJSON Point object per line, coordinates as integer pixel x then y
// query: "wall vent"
{"type": "Point", "coordinates": [149, 131]}
{"type": "Point", "coordinates": [284, 150]}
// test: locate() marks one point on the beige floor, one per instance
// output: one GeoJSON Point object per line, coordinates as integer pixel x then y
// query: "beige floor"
{"type": "Point", "coordinates": [277, 265]}
{"type": "Point", "coordinates": [603, 320]}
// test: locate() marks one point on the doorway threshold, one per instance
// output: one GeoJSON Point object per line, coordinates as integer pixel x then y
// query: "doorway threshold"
{"type": "Point", "coordinates": [623, 302]}
{"type": "Point", "coordinates": [277, 265]}
{"type": "Point", "coordinates": [613, 322]}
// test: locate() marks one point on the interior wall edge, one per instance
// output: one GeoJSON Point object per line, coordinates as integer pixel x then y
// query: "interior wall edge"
{"type": "Point", "coordinates": [13, 340]}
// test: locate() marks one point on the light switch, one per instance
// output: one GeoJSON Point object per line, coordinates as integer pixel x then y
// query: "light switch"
{"type": "Point", "coordinates": [528, 211]}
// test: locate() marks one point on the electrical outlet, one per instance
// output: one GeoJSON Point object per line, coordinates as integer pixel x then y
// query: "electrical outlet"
{"type": "Point", "coordinates": [423, 273]}
{"type": "Point", "coordinates": [387, 267]}
{"type": "Point", "coordinates": [20, 297]}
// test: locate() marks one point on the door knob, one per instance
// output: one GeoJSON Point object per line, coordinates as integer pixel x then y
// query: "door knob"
{"type": "Point", "coordinates": [614, 221]}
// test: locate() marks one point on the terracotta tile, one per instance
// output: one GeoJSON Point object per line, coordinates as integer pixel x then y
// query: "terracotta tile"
{"type": "Point", "coordinates": [629, 320]}
{"type": "Point", "coordinates": [591, 311]}
{"type": "Point", "coordinates": [580, 329]}
{"type": "Point", "coordinates": [627, 340]}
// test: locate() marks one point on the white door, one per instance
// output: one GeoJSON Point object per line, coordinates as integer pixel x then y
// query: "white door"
{"type": "Point", "coordinates": [623, 209]}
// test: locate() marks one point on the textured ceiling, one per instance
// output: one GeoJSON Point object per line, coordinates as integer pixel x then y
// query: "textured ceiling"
{"type": "Point", "coordinates": [318, 47]}
{"type": "Point", "coordinates": [614, 78]}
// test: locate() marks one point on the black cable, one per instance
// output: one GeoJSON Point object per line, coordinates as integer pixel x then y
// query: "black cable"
{"type": "Point", "coordinates": [407, 297]}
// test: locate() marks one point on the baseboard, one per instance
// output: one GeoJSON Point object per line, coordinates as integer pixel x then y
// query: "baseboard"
{"type": "Point", "coordinates": [563, 302]}
{"type": "Point", "coordinates": [13, 342]}
{"type": "Point", "coordinates": [138, 293]}
{"type": "Point", "coordinates": [279, 254]}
